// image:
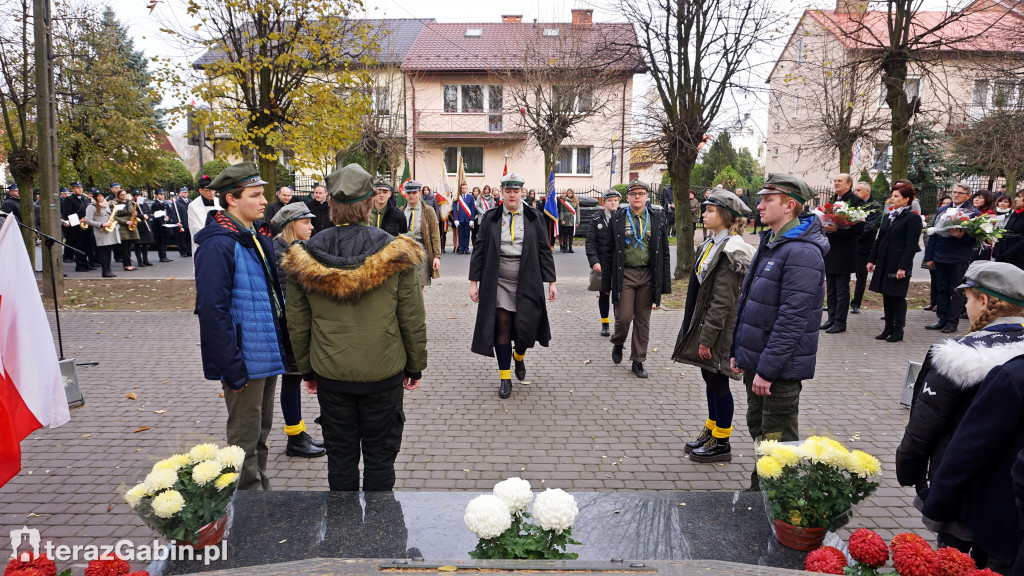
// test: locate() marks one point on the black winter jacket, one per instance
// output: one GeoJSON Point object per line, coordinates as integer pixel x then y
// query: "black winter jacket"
{"type": "Point", "coordinates": [393, 221]}
{"type": "Point", "coordinates": [976, 473]}
{"type": "Point", "coordinates": [944, 389]}
{"type": "Point", "coordinates": [599, 242]}
{"type": "Point", "coordinates": [843, 243]}
{"type": "Point", "coordinates": [613, 268]}
{"type": "Point", "coordinates": [321, 215]}
{"type": "Point", "coordinates": [947, 249]}
{"type": "Point", "coordinates": [894, 250]}
{"type": "Point", "coordinates": [1010, 248]}
{"type": "Point", "coordinates": [871, 226]}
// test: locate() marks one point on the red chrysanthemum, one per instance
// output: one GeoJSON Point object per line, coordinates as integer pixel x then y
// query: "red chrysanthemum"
{"type": "Point", "coordinates": [868, 548]}
{"type": "Point", "coordinates": [38, 566]}
{"type": "Point", "coordinates": [953, 562]}
{"type": "Point", "coordinates": [982, 572]}
{"type": "Point", "coordinates": [139, 573]}
{"type": "Point", "coordinates": [915, 559]}
{"type": "Point", "coordinates": [903, 538]}
{"type": "Point", "coordinates": [108, 567]}
{"type": "Point", "coordinates": [825, 560]}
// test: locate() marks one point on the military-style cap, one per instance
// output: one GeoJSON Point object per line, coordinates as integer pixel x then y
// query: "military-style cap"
{"type": "Point", "coordinates": [185, 189]}
{"type": "Point", "coordinates": [349, 184]}
{"type": "Point", "coordinates": [115, 185]}
{"type": "Point", "coordinates": [12, 187]}
{"type": "Point", "coordinates": [611, 194]}
{"type": "Point", "coordinates": [412, 186]}
{"type": "Point", "coordinates": [75, 184]}
{"type": "Point", "coordinates": [94, 190]}
{"type": "Point", "coordinates": [241, 175]}
{"type": "Point", "coordinates": [637, 184]}
{"type": "Point", "coordinates": [204, 182]}
{"type": "Point", "coordinates": [64, 190]}
{"type": "Point", "coordinates": [728, 200]}
{"type": "Point", "coordinates": [382, 183]}
{"type": "Point", "coordinates": [512, 180]}
{"type": "Point", "coordinates": [136, 192]}
{"type": "Point", "coordinates": [159, 191]}
{"type": "Point", "coordinates": [1000, 279]}
{"type": "Point", "coordinates": [791, 186]}
{"type": "Point", "coordinates": [291, 212]}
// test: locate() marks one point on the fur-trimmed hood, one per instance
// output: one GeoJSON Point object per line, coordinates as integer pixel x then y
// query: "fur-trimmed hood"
{"type": "Point", "coordinates": [350, 283]}
{"type": "Point", "coordinates": [966, 361]}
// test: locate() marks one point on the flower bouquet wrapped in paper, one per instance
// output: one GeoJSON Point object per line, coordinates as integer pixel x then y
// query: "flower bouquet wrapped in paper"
{"type": "Point", "coordinates": [499, 520]}
{"type": "Point", "coordinates": [812, 486]}
{"type": "Point", "coordinates": [842, 214]}
{"type": "Point", "coordinates": [186, 497]}
{"type": "Point", "coordinates": [982, 228]}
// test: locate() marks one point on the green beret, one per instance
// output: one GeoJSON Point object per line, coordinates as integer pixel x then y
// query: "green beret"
{"type": "Point", "coordinates": [791, 186]}
{"type": "Point", "coordinates": [382, 183]}
{"type": "Point", "coordinates": [1000, 279]}
{"type": "Point", "coordinates": [241, 175]}
{"type": "Point", "coordinates": [728, 200]}
{"type": "Point", "coordinates": [349, 184]}
{"type": "Point", "coordinates": [511, 181]}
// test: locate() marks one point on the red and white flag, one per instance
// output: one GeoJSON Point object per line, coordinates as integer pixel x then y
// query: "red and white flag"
{"type": "Point", "coordinates": [31, 387]}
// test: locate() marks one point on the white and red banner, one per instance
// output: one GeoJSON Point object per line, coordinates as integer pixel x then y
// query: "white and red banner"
{"type": "Point", "coordinates": [31, 387]}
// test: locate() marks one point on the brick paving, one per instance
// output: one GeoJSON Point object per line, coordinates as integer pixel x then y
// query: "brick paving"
{"type": "Point", "coordinates": [580, 423]}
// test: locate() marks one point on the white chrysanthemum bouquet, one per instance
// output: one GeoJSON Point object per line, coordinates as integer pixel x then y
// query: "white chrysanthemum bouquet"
{"type": "Point", "coordinates": [814, 484]}
{"type": "Point", "coordinates": [184, 495]}
{"type": "Point", "coordinates": [499, 520]}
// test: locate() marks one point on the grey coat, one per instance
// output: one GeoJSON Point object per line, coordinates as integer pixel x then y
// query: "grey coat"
{"type": "Point", "coordinates": [711, 308]}
{"type": "Point", "coordinates": [96, 222]}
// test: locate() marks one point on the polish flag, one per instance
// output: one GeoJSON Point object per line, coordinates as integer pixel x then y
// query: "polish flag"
{"type": "Point", "coordinates": [31, 386]}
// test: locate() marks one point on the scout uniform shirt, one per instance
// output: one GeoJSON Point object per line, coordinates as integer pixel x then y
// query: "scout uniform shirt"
{"type": "Point", "coordinates": [512, 231]}
{"type": "Point", "coordinates": [638, 239]}
{"type": "Point", "coordinates": [414, 217]}
{"type": "Point", "coordinates": [377, 218]}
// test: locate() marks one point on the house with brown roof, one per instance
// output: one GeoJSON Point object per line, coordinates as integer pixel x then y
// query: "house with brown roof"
{"type": "Point", "coordinates": [814, 79]}
{"type": "Point", "coordinates": [464, 89]}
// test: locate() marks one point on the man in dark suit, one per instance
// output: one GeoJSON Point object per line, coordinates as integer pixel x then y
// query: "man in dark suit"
{"type": "Point", "coordinates": [841, 260]}
{"type": "Point", "coordinates": [864, 242]}
{"type": "Point", "coordinates": [160, 210]}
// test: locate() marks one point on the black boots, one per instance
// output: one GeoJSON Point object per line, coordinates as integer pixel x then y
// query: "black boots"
{"type": "Point", "coordinates": [520, 369]}
{"type": "Point", "coordinates": [701, 439]}
{"type": "Point", "coordinates": [304, 446]}
{"type": "Point", "coordinates": [505, 390]}
{"type": "Point", "coordinates": [617, 354]}
{"type": "Point", "coordinates": [827, 324]}
{"type": "Point", "coordinates": [896, 336]}
{"type": "Point", "coordinates": [638, 370]}
{"type": "Point", "coordinates": [885, 333]}
{"type": "Point", "coordinates": [714, 450]}
{"type": "Point", "coordinates": [604, 329]}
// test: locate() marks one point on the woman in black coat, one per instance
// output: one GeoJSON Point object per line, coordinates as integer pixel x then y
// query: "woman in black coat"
{"type": "Point", "coordinates": [893, 257]}
{"type": "Point", "coordinates": [1010, 248]}
{"type": "Point", "coordinates": [511, 261]}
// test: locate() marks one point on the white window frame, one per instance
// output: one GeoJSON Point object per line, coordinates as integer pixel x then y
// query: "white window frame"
{"type": "Point", "coordinates": [454, 170]}
{"type": "Point", "coordinates": [881, 93]}
{"type": "Point", "coordinates": [574, 163]}
{"type": "Point", "coordinates": [775, 152]}
{"type": "Point", "coordinates": [377, 107]}
{"type": "Point", "coordinates": [796, 105]}
{"type": "Point", "coordinates": [486, 97]}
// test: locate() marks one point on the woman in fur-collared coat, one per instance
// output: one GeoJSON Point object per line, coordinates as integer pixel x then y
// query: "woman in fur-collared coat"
{"type": "Point", "coordinates": [358, 330]}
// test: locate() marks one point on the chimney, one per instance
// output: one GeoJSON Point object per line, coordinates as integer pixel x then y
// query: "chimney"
{"type": "Point", "coordinates": [506, 18]}
{"type": "Point", "coordinates": [582, 17]}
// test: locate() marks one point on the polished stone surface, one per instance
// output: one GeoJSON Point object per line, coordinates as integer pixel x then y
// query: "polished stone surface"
{"type": "Point", "coordinates": [275, 527]}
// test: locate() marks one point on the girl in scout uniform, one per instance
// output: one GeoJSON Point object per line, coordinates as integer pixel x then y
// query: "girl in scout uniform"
{"type": "Point", "coordinates": [598, 248]}
{"type": "Point", "coordinates": [422, 222]}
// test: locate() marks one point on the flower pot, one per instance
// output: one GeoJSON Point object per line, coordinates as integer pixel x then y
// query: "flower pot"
{"type": "Point", "coordinates": [804, 539]}
{"type": "Point", "coordinates": [209, 535]}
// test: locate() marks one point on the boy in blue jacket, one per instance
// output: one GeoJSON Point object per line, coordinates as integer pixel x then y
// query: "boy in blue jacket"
{"type": "Point", "coordinates": [241, 314]}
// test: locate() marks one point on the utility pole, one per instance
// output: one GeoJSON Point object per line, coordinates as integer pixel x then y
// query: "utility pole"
{"type": "Point", "coordinates": [46, 113]}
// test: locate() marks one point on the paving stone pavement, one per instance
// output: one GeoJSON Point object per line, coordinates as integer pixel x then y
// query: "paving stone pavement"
{"type": "Point", "coordinates": [580, 422]}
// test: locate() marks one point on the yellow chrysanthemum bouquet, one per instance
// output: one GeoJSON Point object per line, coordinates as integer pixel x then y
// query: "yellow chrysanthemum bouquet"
{"type": "Point", "coordinates": [814, 484]}
{"type": "Point", "coordinates": [184, 497]}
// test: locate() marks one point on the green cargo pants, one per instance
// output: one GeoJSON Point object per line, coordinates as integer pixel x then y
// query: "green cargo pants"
{"type": "Point", "coordinates": [773, 417]}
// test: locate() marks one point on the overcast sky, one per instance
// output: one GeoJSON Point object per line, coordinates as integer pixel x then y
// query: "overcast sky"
{"type": "Point", "coordinates": [144, 27]}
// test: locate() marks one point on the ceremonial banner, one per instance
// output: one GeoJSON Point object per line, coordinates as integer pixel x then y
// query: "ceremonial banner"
{"type": "Point", "coordinates": [551, 203]}
{"type": "Point", "coordinates": [31, 388]}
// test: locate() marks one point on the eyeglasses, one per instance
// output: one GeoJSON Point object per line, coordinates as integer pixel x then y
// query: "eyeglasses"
{"type": "Point", "coordinates": [638, 193]}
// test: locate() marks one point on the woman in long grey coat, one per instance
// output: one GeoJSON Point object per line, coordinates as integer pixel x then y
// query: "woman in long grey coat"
{"type": "Point", "coordinates": [706, 334]}
{"type": "Point", "coordinates": [97, 214]}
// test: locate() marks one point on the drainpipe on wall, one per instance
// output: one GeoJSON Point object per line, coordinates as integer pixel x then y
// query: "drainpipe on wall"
{"type": "Point", "coordinates": [412, 85]}
{"type": "Point", "coordinates": [622, 131]}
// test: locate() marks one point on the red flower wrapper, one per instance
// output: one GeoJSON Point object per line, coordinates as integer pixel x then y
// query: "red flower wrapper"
{"type": "Point", "coordinates": [915, 559]}
{"type": "Point", "coordinates": [953, 562]}
{"type": "Point", "coordinates": [107, 567]}
{"type": "Point", "coordinates": [868, 548]}
{"type": "Point", "coordinates": [825, 560]}
{"type": "Point", "coordinates": [38, 566]}
{"type": "Point", "coordinates": [904, 538]}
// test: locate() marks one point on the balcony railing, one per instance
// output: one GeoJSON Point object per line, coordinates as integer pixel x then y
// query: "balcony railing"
{"type": "Point", "coordinates": [485, 125]}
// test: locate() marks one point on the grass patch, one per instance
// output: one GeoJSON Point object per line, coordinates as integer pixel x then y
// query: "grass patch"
{"type": "Point", "coordinates": [126, 295]}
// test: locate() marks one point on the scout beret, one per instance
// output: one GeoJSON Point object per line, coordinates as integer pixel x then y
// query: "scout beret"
{"type": "Point", "coordinates": [1000, 279]}
{"type": "Point", "coordinates": [204, 182]}
{"type": "Point", "coordinates": [241, 175]}
{"type": "Point", "coordinates": [291, 212]}
{"type": "Point", "coordinates": [349, 184]}
{"type": "Point", "coordinates": [728, 200]}
{"type": "Point", "coordinates": [791, 186]}
{"type": "Point", "coordinates": [412, 186]}
{"type": "Point", "coordinates": [637, 184]}
{"type": "Point", "coordinates": [611, 194]}
{"type": "Point", "coordinates": [382, 183]}
{"type": "Point", "coordinates": [512, 180]}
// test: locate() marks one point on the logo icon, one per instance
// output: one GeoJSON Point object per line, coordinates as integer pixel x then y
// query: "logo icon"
{"type": "Point", "coordinates": [31, 535]}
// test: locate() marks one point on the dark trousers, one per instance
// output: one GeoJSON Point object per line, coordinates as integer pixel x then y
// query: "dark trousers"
{"type": "Point", "coordinates": [103, 255]}
{"type": "Point", "coordinates": [895, 311]}
{"type": "Point", "coordinates": [565, 234]}
{"type": "Point", "coordinates": [291, 399]}
{"type": "Point", "coordinates": [370, 422]}
{"type": "Point", "coordinates": [862, 278]}
{"type": "Point", "coordinates": [250, 416]}
{"type": "Point", "coordinates": [184, 241]}
{"type": "Point", "coordinates": [77, 240]}
{"type": "Point", "coordinates": [464, 233]}
{"type": "Point", "coordinates": [161, 245]}
{"type": "Point", "coordinates": [126, 252]}
{"type": "Point", "coordinates": [141, 252]}
{"type": "Point", "coordinates": [772, 417]}
{"type": "Point", "coordinates": [949, 302]}
{"type": "Point", "coordinates": [838, 286]}
{"type": "Point", "coordinates": [933, 295]}
{"type": "Point", "coordinates": [472, 233]}
{"type": "Point", "coordinates": [720, 402]}
{"type": "Point", "coordinates": [634, 307]}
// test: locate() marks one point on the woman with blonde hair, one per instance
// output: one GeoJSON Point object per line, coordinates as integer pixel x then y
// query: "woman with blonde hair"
{"type": "Point", "coordinates": [706, 334]}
